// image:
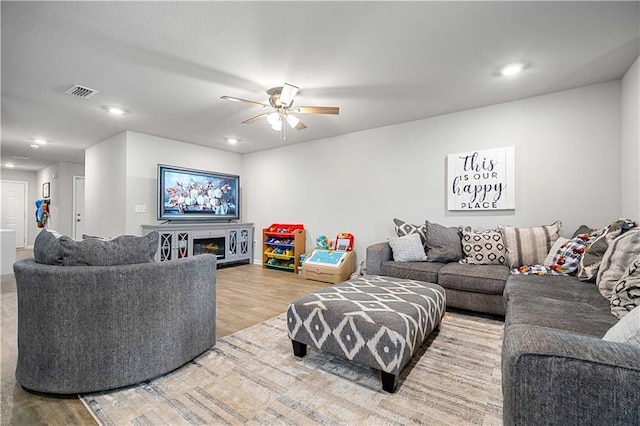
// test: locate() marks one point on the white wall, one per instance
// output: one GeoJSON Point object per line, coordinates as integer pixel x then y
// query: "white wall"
{"type": "Point", "coordinates": [34, 192]}
{"type": "Point", "coordinates": [630, 124]}
{"type": "Point", "coordinates": [145, 152]}
{"type": "Point", "coordinates": [121, 172]}
{"type": "Point", "coordinates": [105, 187]}
{"type": "Point", "coordinates": [566, 145]}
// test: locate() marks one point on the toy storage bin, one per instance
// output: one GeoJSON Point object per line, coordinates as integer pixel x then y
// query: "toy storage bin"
{"type": "Point", "coordinates": [282, 245]}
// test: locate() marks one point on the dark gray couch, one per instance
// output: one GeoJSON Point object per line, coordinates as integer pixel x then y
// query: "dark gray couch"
{"type": "Point", "coordinates": [476, 288]}
{"type": "Point", "coordinates": [90, 328]}
{"type": "Point", "coordinates": [556, 369]}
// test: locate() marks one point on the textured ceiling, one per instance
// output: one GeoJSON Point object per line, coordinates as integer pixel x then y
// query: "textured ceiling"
{"type": "Point", "coordinates": [382, 63]}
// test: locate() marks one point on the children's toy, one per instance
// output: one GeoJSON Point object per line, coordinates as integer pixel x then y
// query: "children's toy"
{"type": "Point", "coordinates": [322, 242]}
{"type": "Point", "coordinates": [344, 242]}
{"type": "Point", "coordinates": [329, 266]}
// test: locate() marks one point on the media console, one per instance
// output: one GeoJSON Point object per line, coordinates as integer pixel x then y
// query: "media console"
{"type": "Point", "coordinates": [230, 242]}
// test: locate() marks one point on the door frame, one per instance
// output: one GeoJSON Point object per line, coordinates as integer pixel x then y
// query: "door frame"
{"type": "Point", "coordinates": [74, 207]}
{"type": "Point", "coordinates": [25, 224]}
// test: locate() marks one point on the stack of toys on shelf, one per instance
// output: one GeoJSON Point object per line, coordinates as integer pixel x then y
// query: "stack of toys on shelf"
{"type": "Point", "coordinates": [282, 246]}
{"type": "Point", "coordinates": [331, 262]}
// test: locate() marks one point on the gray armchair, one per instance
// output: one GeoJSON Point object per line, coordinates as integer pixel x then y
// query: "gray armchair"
{"type": "Point", "coordinates": [91, 328]}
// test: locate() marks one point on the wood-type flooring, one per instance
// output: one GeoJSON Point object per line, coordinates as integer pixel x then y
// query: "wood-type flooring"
{"type": "Point", "coordinates": [246, 295]}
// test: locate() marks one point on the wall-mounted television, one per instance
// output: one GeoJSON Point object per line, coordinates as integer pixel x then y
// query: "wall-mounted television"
{"type": "Point", "coordinates": [188, 194]}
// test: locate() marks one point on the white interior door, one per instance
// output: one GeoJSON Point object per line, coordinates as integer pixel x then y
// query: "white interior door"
{"type": "Point", "coordinates": [78, 207]}
{"type": "Point", "coordinates": [14, 196]}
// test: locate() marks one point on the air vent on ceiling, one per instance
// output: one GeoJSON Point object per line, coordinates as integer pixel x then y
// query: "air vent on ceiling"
{"type": "Point", "coordinates": [81, 91]}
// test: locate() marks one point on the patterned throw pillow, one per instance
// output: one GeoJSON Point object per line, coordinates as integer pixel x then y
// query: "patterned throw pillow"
{"type": "Point", "coordinates": [529, 246]}
{"type": "Point", "coordinates": [548, 261]}
{"type": "Point", "coordinates": [567, 258]}
{"type": "Point", "coordinates": [408, 248]}
{"type": "Point", "coordinates": [403, 228]}
{"type": "Point", "coordinates": [627, 330]}
{"type": "Point", "coordinates": [534, 270]}
{"type": "Point", "coordinates": [615, 261]}
{"type": "Point", "coordinates": [483, 247]}
{"type": "Point", "coordinates": [626, 293]}
{"type": "Point", "coordinates": [590, 261]}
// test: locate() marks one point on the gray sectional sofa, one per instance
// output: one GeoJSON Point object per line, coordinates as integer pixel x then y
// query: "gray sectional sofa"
{"type": "Point", "coordinates": [556, 369]}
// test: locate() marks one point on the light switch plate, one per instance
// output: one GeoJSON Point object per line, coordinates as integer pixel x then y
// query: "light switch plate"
{"type": "Point", "coordinates": [141, 208]}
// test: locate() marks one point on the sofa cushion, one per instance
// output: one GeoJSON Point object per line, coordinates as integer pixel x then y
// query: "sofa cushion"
{"type": "Point", "coordinates": [443, 244]}
{"type": "Point", "coordinates": [47, 248]}
{"type": "Point", "coordinates": [420, 271]}
{"type": "Point", "coordinates": [483, 247]}
{"type": "Point", "coordinates": [627, 330]}
{"type": "Point", "coordinates": [616, 260]}
{"type": "Point", "coordinates": [487, 279]}
{"type": "Point", "coordinates": [122, 250]}
{"type": "Point", "coordinates": [408, 248]}
{"type": "Point", "coordinates": [592, 256]}
{"type": "Point", "coordinates": [561, 287]}
{"type": "Point", "coordinates": [403, 228]}
{"type": "Point", "coordinates": [626, 293]}
{"type": "Point", "coordinates": [567, 315]}
{"type": "Point", "coordinates": [529, 246]}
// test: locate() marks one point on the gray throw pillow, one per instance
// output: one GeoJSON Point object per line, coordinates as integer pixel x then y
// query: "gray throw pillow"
{"type": "Point", "coordinates": [122, 250]}
{"type": "Point", "coordinates": [408, 248]}
{"type": "Point", "coordinates": [443, 244]}
{"type": "Point", "coordinates": [47, 249]}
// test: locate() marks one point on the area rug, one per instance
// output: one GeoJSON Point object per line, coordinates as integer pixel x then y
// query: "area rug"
{"type": "Point", "coordinates": [252, 377]}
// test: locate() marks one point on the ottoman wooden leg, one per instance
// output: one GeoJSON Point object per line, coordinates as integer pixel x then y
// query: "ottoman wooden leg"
{"type": "Point", "coordinates": [299, 349]}
{"type": "Point", "coordinates": [389, 382]}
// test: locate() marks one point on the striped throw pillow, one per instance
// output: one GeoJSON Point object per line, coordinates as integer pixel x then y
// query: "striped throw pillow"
{"type": "Point", "coordinates": [529, 246]}
{"type": "Point", "coordinates": [616, 260]}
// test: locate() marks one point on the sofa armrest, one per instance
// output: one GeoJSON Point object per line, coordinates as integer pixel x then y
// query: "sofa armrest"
{"type": "Point", "coordinates": [376, 254]}
{"type": "Point", "coordinates": [554, 377]}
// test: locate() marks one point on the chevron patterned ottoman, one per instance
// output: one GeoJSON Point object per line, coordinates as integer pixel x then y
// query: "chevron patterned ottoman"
{"type": "Point", "coordinates": [373, 320]}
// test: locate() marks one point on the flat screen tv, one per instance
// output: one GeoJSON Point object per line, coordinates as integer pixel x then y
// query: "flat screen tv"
{"type": "Point", "coordinates": [188, 194]}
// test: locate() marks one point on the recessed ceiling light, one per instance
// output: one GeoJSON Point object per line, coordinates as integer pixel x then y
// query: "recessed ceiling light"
{"type": "Point", "coordinates": [9, 165]}
{"type": "Point", "coordinates": [511, 69]}
{"type": "Point", "coordinates": [232, 141]}
{"type": "Point", "coordinates": [34, 146]}
{"type": "Point", "coordinates": [116, 111]}
{"type": "Point", "coordinates": [40, 141]}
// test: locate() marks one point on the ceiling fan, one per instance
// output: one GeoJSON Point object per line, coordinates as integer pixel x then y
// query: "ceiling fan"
{"type": "Point", "coordinates": [281, 101]}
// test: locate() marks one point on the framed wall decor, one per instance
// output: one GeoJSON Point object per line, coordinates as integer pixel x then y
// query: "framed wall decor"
{"type": "Point", "coordinates": [46, 190]}
{"type": "Point", "coordinates": [481, 180]}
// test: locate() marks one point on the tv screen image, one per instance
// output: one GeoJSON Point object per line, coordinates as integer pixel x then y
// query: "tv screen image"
{"type": "Point", "coordinates": [188, 194]}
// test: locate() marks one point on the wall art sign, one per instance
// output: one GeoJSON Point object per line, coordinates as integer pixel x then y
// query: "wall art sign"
{"type": "Point", "coordinates": [481, 180]}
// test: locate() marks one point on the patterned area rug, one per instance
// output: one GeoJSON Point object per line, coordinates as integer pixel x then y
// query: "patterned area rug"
{"type": "Point", "coordinates": [252, 377]}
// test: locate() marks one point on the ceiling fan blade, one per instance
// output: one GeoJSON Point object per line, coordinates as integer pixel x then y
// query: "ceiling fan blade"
{"type": "Point", "coordinates": [295, 122]}
{"type": "Point", "coordinates": [231, 98]}
{"type": "Point", "coordinates": [300, 126]}
{"type": "Point", "coordinates": [256, 118]}
{"type": "Point", "coordinates": [289, 92]}
{"type": "Point", "coordinates": [316, 110]}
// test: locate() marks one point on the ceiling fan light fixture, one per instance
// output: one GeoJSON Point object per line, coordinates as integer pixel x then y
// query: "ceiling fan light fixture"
{"type": "Point", "coordinates": [277, 126]}
{"type": "Point", "coordinates": [292, 120]}
{"type": "Point", "coordinates": [273, 118]}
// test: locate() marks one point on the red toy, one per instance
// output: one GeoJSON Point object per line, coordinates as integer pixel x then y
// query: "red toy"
{"type": "Point", "coordinates": [344, 242]}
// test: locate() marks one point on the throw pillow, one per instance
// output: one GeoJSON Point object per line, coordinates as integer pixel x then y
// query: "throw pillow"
{"type": "Point", "coordinates": [529, 246]}
{"type": "Point", "coordinates": [615, 261]}
{"type": "Point", "coordinates": [590, 261]}
{"type": "Point", "coordinates": [626, 293]}
{"type": "Point", "coordinates": [408, 248]}
{"type": "Point", "coordinates": [627, 330]}
{"type": "Point", "coordinates": [47, 248]}
{"type": "Point", "coordinates": [567, 258]}
{"type": "Point", "coordinates": [548, 261]}
{"type": "Point", "coordinates": [403, 228]}
{"type": "Point", "coordinates": [443, 244]}
{"type": "Point", "coordinates": [483, 247]}
{"type": "Point", "coordinates": [122, 250]}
